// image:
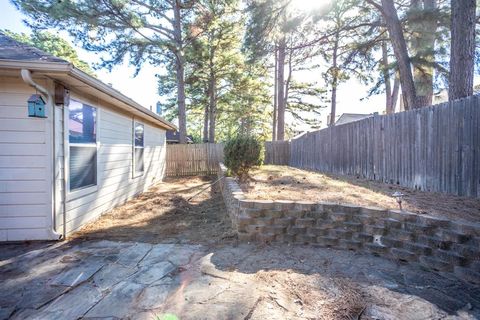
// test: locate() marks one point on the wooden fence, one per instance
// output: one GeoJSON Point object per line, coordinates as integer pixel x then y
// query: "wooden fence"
{"type": "Point", "coordinates": [435, 148]}
{"type": "Point", "coordinates": [277, 152]}
{"type": "Point", "coordinates": [193, 159]}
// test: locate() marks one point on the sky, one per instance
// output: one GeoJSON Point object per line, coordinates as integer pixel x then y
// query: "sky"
{"type": "Point", "coordinates": [143, 87]}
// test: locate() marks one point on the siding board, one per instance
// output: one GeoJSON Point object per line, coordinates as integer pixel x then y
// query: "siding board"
{"type": "Point", "coordinates": [23, 161]}
{"type": "Point", "coordinates": [24, 210]}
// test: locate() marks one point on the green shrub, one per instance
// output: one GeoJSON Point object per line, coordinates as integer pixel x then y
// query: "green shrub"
{"type": "Point", "coordinates": [242, 153]}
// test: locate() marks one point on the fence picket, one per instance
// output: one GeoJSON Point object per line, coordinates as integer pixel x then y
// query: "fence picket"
{"type": "Point", "coordinates": [193, 159]}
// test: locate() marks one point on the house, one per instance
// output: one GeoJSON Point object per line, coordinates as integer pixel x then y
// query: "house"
{"type": "Point", "coordinates": [351, 117]}
{"type": "Point", "coordinates": [173, 137]}
{"type": "Point", "coordinates": [94, 148]}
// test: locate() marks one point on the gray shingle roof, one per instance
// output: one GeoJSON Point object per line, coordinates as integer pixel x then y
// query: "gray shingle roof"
{"type": "Point", "coordinates": [11, 49]}
{"type": "Point", "coordinates": [350, 117]}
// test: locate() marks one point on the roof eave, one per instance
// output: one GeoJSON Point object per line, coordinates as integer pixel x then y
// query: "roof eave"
{"type": "Point", "coordinates": [36, 65]}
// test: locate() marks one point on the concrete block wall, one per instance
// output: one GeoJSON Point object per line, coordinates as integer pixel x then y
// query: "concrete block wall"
{"type": "Point", "coordinates": [434, 243]}
{"type": "Point", "coordinates": [232, 194]}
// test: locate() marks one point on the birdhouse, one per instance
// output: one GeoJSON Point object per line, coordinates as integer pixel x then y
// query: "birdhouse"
{"type": "Point", "coordinates": [36, 106]}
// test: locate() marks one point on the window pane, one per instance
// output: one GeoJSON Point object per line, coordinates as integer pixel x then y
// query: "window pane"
{"type": "Point", "coordinates": [138, 135]}
{"type": "Point", "coordinates": [138, 159]}
{"type": "Point", "coordinates": [81, 123]}
{"type": "Point", "coordinates": [83, 167]}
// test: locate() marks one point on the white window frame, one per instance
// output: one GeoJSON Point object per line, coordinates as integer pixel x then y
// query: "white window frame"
{"type": "Point", "coordinates": [135, 173]}
{"type": "Point", "coordinates": [78, 193]}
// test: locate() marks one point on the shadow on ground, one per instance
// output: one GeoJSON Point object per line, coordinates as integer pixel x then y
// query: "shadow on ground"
{"type": "Point", "coordinates": [183, 210]}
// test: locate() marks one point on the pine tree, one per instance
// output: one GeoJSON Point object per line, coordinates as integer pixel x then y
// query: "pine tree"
{"type": "Point", "coordinates": [277, 31]}
{"type": "Point", "coordinates": [462, 52]}
{"type": "Point", "coordinates": [226, 93]}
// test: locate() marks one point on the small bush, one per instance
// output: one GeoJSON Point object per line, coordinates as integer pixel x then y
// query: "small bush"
{"type": "Point", "coordinates": [242, 153]}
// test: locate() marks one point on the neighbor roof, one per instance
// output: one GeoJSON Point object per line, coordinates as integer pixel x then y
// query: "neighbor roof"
{"type": "Point", "coordinates": [174, 136]}
{"type": "Point", "coordinates": [351, 117]}
{"type": "Point", "coordinates": [17, 55]}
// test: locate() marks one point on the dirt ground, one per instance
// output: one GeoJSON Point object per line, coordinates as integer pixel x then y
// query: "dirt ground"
{"type": "Point", "coordinates": [287, 183]}
{"type": "Point", "coordinates": [164, 214]}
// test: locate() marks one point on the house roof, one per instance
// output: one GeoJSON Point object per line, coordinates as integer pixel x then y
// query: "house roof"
{"type": "Point", "coordinates": [174, 136]}
{"type": "Point", "coordinates": [11, 49]}
{"type": "Point", "coordinates": [16, 55]}
{"type": "Point", "coordinates": [351, 117]}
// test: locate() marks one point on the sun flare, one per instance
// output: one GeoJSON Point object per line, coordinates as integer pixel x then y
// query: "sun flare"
{"type": "Point", "coordinates": [310, 5]}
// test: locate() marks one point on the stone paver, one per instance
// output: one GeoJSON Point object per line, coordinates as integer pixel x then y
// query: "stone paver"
{"type": "Point", "coordinates": [68, 307]}
{"type": "Point", "coordinates": [150, 274]}
{"type": "Point", "coordinates": [128, 280]}
{"type": "Point", "coordinates": [118, 303]}
{"type": "Point", "coordinates": [81, 272]}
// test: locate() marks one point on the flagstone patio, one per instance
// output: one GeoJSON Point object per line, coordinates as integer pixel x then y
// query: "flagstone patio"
{"type": "Point", "coordinates": [132, 280]}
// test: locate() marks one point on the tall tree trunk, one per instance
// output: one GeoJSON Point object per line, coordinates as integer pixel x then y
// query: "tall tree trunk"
{"type": "Point", "coordinates": [275, 97]}
{"type": "Point", "coordinates": [401, 53]}
{"type": "Point", "coordinates": [462, 50]}
{"type": "Point", "coordinates": [281, 90]}
{"type": "Point", "coordinates": [213, 109]}
{"type": "Point", "coordinates": [386, 78]}
{"type": "Point", "coordinates": [289, 77]}
{"type": "Point", "coordinates": [180, 72]}
{"type": "Point", "coordinates": [424, 26]}
{"type": "Point", "coordinates": [333, 107]}
{"type": "Point", "coordinates": [395, 90]}
{"type": "Point", "coordinates": [212, 99]}
{"type": "Point", "coordinates": [205, 122]}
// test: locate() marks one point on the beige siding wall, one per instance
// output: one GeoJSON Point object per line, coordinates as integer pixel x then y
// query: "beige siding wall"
{"type": "Point", "coordinates": [26, 162]}
{"type": "Point", "coordinates": [115, 179]}
{"type": "Point", "coordinates": [25, 166]}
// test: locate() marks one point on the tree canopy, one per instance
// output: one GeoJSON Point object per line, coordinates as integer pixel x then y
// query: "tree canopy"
{"type": "Point", "coordinates": [269, 67]}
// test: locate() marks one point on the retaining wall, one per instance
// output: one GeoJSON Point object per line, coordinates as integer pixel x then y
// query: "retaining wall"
{"type": "Point", "coordinates": [434, 243]}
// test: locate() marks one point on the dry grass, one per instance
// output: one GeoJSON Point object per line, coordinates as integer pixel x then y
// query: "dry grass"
{"type": "Point", "coordinates": [287, 183]}
{"type": "Point", "coordinates": [313, 296]}
{"type": "Point", "coordinates": [164, 214]}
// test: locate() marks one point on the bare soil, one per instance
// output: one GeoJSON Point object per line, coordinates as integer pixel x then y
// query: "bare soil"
{"type": "Point", "coordinates": [164, 214]}
{"type": "Point", "coordinates": [287, 183]}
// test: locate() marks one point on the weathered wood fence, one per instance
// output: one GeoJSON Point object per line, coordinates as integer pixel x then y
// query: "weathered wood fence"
{"type": "Point", "coordinates": [193, 159]}
{"type": "Point", "coordinates": [277, 152]}
{"type": "Point", "coordinates": [435, 148]}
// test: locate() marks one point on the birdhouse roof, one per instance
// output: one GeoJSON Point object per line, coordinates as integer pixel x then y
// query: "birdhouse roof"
{"type": "Point", "coordinates": [36, 98]}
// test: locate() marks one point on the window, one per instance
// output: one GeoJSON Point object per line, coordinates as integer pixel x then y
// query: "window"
{"type": "Point", "coordinates": [138, 134]}
{"type": "Point", "coordinates": [82, 139]}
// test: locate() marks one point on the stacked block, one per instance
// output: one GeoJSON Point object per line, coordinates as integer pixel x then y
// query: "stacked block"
{"type": "Point", "coordinates": [434, 243]}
